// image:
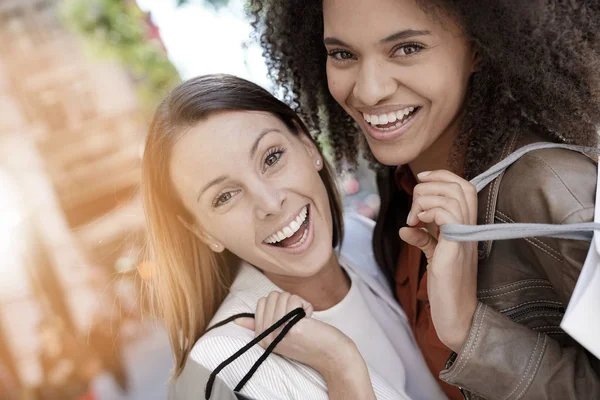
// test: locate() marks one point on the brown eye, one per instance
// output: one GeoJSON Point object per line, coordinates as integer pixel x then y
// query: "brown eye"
{"type": "Point", "coordinates": [224, 198]}
{"type": "Point", "coordinates": [341, 55]}
{"type": "Point", "coordinates": [408, 49]}
{"type": "Point", "coordinates": [273, 157]}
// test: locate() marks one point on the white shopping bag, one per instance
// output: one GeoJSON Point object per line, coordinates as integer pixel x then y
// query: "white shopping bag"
{"type": "Point", "coordinates": [582, 318]}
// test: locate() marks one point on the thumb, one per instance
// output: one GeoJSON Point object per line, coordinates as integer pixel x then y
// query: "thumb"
{"type": "Point", "coordinates": [420, 238]}
{"type": "Point", "coordinates": [246, 322]}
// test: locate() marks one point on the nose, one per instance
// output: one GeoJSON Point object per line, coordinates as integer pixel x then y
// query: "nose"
{"type": "Point", "coordinates": [373, 83]}
{"type": "Point", "coordinates": [269, 200]}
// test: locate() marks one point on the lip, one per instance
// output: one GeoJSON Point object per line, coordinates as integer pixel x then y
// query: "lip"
{"type": "Point", "coordinates": [289, 220]}
{"type": "Point", "coordinates": [383, 136]}
{"type": "Point", "coordinates": [310, 236]}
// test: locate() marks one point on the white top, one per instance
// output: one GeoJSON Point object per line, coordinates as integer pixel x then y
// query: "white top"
{"type": "Point", "coordinates": [367, 328]}
{"type": "Point", "coordinates": [372, 318]}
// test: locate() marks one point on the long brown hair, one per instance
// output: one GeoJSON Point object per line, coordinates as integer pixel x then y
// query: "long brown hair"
{"type": "Point", "coordinates": [189, 281]}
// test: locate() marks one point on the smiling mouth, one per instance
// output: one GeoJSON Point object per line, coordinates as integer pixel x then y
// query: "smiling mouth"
{"type": "Point", "coordinates": [392, 120]}
{"type": "Point", "coordinates": [293, 234]}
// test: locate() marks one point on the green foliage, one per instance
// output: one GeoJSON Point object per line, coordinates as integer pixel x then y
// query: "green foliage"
{"type": "Point", "coordinates": [117, 29]}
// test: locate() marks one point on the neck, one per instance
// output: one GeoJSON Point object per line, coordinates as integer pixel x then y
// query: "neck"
{"type": "Point", "coordinates": [323, 290]}
{"type": "Point", "coordinates": [438, 155]}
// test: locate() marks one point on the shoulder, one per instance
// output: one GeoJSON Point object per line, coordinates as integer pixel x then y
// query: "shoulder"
{"type": "Point", "coordinates": [549, 186]}
{"type": "Point", "coordinates": [219, 344]}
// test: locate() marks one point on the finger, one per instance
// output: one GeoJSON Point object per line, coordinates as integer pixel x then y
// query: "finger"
{"type": "Point", "coordinates": [468, 189]}
{"type": "Point", "coordinates": [439, 216]}
{"type": "Point", "coordinates": [444, 189]}
{"type": "Point", "coordinates": [248, 323]}
{"type": "Point", "coordinates": [282, 306]}
{"type": "Point", "coordinates": [419, 238]}
{"type": "Point", "coordinates": [426, 203]}
{"type": "Point", "coordinates": [270, 307]}
{"type": "Point", "coordinates": [296, 302]}
{"type": "Point", "coordinates": [259, 315]}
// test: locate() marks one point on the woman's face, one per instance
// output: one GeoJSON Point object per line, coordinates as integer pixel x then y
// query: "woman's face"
{"type": "Point", "coordinates": [400, 73]}
{"type": "Point", "coordinates": [254, 188]}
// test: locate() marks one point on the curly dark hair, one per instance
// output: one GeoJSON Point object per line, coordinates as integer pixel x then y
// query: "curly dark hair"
{"type": "Point", "coordinates": [539, 70]}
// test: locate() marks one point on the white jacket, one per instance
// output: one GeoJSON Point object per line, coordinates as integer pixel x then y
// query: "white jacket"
{"type": "Point", "coordinates": [282, 378]}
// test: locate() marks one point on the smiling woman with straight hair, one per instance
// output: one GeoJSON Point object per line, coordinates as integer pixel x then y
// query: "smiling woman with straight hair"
{"type": "Point", "coordinates": [244, 217]}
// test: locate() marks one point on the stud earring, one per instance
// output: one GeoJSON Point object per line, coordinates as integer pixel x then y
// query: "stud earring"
{"type": "Point", "coordinates": [215, 246]}
{"type": "Point", "coordinates": [318, 162]}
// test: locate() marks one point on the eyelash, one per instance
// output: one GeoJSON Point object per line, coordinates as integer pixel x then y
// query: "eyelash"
{"type": "Point", "coordinates": [417, 46]}
{"type": "Point", "coordinates": [272, 151]}
{"type": "Point", "coordinates": [333, 53]}
{"type": "Point", "coordinates": [219, 201]}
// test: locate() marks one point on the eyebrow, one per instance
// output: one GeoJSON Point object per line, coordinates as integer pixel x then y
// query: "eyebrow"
{"type": "Point", "coordinates": [259, 138]}
{"type": "Point", "coordinates": [215, 181]}
{"type": "Point", "coordinates": [253, 149]}
{"type": "Point", "coordinates": [405, 34]}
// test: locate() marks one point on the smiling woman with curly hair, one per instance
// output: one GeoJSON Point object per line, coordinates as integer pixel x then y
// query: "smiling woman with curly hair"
{"type": "Point", "coordinates": [434, 92]}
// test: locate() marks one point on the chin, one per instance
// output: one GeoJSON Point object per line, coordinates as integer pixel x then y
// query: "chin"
{"type": "Point", "coordinates": [390, 155]}
{"type": "Point", "coordinates": [313, 264]}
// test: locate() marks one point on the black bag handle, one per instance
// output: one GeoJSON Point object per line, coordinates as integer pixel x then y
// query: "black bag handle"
{"type": "Point", "coordinates": [293, 317]}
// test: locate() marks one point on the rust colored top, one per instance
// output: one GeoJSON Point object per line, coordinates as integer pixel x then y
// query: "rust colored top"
{"type": "Point", "coordinates": [411, 291]}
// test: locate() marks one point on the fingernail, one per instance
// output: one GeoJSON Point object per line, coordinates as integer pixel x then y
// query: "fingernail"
{"type": "Point", "coordinates": [423, 174]}
{"type": "Point", "coordinates": [408, 219]}
{"type": "Point", "coordinates": [421, 214]}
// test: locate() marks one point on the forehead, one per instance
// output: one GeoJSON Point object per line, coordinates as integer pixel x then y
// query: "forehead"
{"type": "Point", "coordinates": [350, 19]}
{"type": "Point", "coordinates": [219, 145]}
{"type": "Point", "coordinates": [230, 133]}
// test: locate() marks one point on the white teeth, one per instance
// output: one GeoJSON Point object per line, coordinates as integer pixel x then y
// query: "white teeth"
{"type": "Point", "coordinates": [302, 240]}
{"type": "Point", "coordinates": [389, 117]}
{"type": "Point", "coordinates": [290, 229]}
{"type": "Point", "coordinates": [295, 225]}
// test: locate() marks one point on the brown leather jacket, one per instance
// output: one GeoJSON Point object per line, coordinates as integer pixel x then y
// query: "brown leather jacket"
{"type": "Point", "coordinates": [516, 349]}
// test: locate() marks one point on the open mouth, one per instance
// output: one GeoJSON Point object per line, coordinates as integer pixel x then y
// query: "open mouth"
{"type": "Point", "coordinates": [294, 234]}
{"type": "Point", "coordinates": [392, 120]}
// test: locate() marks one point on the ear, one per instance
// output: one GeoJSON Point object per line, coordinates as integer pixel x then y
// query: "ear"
{"type": "Point", "coordinates": [476, 58]}
{"type": "Point", "coordinates": [208, 240]}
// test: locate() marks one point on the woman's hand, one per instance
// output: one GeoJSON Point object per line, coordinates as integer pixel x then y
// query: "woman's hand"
{"type": "Point", "coordinates": [314, 343]}
{"type": "Point", "coordinates": [444, 198]}
{"type": "Point", "coordinates": [310, 341]}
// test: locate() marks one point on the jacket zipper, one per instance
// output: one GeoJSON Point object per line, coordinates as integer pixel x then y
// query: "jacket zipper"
{"type": "Point", "coordinates": [525, 310]}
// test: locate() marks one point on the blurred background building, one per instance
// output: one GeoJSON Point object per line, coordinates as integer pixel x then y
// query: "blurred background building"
{"type": "Point", "coordinates": [78, 81]}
